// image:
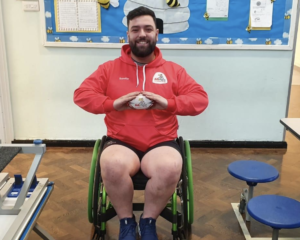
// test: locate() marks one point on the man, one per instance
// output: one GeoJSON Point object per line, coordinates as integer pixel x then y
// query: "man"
{"type": "Point", "coordinates": [141, 139]}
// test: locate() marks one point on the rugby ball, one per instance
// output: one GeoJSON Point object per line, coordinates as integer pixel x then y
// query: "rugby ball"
{"type": "Point", "coordinates": [140, 102]}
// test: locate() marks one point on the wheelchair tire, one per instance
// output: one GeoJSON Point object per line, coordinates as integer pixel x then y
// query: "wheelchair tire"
{"type": "Point", "coordinates": [180, 236]}
{"type": "Point", "coordinates": [190, 183]}
{"type": "Point", "coordinates": [183, 194]}
{"type": "Point", "coordinates": [97, 191]}
{"type": "Point", "coordinates": [99, 198]}
{"type": "Point", "coordinates": [92, 183]}
{"type": "Point", "coordinates": [91, 180]}
{"type": "Point", "coordinates": [99, 222]}
{"type": "Point", "coordinates": [96, 235]}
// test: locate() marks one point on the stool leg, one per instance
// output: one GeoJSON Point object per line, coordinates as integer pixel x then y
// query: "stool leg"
{"type": "Point", "coordinates": [275, 234]}
{"type": "Point", "coordinates": [250, 195]}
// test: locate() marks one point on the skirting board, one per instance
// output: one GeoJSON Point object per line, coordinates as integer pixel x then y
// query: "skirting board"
{"type": "Point", "coordinates": [193, 143]}
{"type": "Point", "coordinates": [244, 228]}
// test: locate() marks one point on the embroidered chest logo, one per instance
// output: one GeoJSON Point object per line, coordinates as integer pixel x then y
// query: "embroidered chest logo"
{"type": "Point", "coordinates": [159, 78]}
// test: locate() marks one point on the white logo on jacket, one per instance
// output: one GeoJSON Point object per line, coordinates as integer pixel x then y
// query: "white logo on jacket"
{"type": "Point", "coordinates": [159, 78]}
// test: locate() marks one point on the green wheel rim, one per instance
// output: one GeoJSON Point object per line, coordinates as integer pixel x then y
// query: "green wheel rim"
{"type": "Point", "coordinates": [174, 210]}
{"type": "Point", "coordinates": [91, 180]}
{"type": "Point", "coordinates": [103, 208]}
{"type": "Point", "coordinates": [190, 182]}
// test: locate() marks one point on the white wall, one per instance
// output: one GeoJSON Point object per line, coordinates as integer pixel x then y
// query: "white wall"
{"type": "Point", "coordinates": [248, 90]}
{"type": "Point", "coordinates": [297, 55]}
{"type": "Point", "coordinates": [6, 127]}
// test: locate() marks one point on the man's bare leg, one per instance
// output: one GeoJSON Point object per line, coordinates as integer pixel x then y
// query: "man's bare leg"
{"type": "Point", "coordinates": [118, 164]}
{"type": "Point", "coordinates": [163, 166]}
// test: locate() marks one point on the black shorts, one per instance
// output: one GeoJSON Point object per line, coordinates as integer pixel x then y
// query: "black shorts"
{"type": "Point", "coordinates": [111, 141]}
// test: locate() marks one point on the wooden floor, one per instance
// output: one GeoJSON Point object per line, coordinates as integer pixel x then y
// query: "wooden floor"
{"type": "Point", "coordinates": [65, 215]}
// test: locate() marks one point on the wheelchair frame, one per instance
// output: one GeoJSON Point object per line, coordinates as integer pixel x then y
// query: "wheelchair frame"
{"type": "Point", "coordinates": [100, 210]}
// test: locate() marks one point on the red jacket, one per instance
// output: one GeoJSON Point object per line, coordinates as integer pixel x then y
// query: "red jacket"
{"type": "Point", "coordinates": [141, 128]}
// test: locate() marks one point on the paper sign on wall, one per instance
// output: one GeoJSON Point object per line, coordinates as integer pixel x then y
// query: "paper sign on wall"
{"type": "Point", "coordinates": [261, 13]}
{"type": "Point", "coordinates": [77, 16]}
{"type": "Point", "coordinates": [217, 9]}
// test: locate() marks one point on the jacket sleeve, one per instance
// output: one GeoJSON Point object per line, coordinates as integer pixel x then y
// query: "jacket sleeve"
{"type": "Point", "coordinates": [190, 98]}
{"type": "Point", "coordinates": [91, 94]}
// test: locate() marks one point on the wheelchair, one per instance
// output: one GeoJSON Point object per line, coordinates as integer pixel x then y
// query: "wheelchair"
{"type": "Point", "coordinates": [179, 210]}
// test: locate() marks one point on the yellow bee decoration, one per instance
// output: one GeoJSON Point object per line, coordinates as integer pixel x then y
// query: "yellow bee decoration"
{"type": "Point", "coordinates": [206, 16]}
{"type": "Point", "coordinates": [199, 41]}
{"type": "Point", "coordinates": [268, 41]}
{"type": "Point", "coordinates": [104, 3]}
{"type": "Point", "coordinates": [173, 3]}
{"type": "Point", "coordinates": [57, 39]}
{"type": "Point", "coordinates": [89, 40]}
{"type": "Point", "coordinates": [229, 41]}
{"type": "Point", "coordinates": [122, 40]}
{"type": "Point", "coordinates": [49, 30]}
{"type": "Point", "coordinates": [287, 16]}
{"type": "Point", "coordinates": [248, 29]}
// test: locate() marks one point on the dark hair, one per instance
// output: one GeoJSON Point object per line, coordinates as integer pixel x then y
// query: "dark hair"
{"type": "Point", "coordinates": [140, 11]}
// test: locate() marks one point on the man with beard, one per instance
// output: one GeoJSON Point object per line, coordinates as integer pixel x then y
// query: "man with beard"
{"type": "Point", "coordinates": [141, 139]}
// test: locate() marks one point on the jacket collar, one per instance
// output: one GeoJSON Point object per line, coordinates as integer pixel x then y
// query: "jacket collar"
{"type": "Point", "coordinates": [126, 57]}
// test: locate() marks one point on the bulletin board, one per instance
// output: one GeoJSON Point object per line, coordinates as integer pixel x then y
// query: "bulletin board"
{"type": "Point", "coordinates": [196, 31]}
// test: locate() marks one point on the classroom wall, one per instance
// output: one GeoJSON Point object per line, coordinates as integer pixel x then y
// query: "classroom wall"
{"type": "Point", "coordinates": [2, 55]}
{"type": "Point", "coordinates": [297, 55]}
{"type": "Point", "coordinates": [248, 89]}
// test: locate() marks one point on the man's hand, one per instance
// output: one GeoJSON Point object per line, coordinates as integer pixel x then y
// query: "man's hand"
{"type": "Point", "coordinates": [159, 102]}
{"type": "Point", "coordinates": [121, 103]}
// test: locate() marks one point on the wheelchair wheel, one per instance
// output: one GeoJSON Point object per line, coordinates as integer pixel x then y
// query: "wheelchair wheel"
{"type": "Point", "coordinates": [190, 191]}
{"type": "Point", "coordinates": [100, 200]}
{"type": "Point", "coordinates": [183, 229]}
{"type": "Point", "coordinates": [91, 180]}
{"type": "Point", "coordinates": [180, 236]}
{"type": "Point", "coordinates": [96, 235]}
{"type": "Point", "coordinates": [97, 194]}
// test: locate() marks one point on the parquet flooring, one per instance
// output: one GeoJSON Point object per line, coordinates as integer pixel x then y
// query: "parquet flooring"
{"type": "Point", "coordinates": [65, 214]}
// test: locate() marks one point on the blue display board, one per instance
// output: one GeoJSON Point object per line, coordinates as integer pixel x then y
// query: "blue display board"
{"type": "Point", "coordinates": [194, 30]}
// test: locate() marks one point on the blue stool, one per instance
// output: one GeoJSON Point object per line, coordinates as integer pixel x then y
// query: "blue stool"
{"type": "Point", "coordinates": [275, 211]}
{"type": "Point", "coordinates": [252, 172]}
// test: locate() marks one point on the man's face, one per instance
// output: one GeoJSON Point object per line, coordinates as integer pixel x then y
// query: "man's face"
{"type": "Point", "coordinates": [142, 35]}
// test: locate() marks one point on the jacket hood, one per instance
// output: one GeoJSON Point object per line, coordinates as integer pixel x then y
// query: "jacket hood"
{"type": "Point", "coordinates": [126, 57]}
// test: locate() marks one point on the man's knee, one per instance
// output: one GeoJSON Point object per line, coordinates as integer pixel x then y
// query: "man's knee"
{"type": "Point", "coordinates": [116, 164]}
{"type": "Point", "coordinates": [170, 173]}
{"type": "Point", "coordinates": [112, 169]}
{"type": "Point", "coordinates": [163, 164]}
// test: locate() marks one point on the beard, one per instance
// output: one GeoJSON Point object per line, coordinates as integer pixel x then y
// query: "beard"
{"type": "Point", "coordinates": [142, 51]}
